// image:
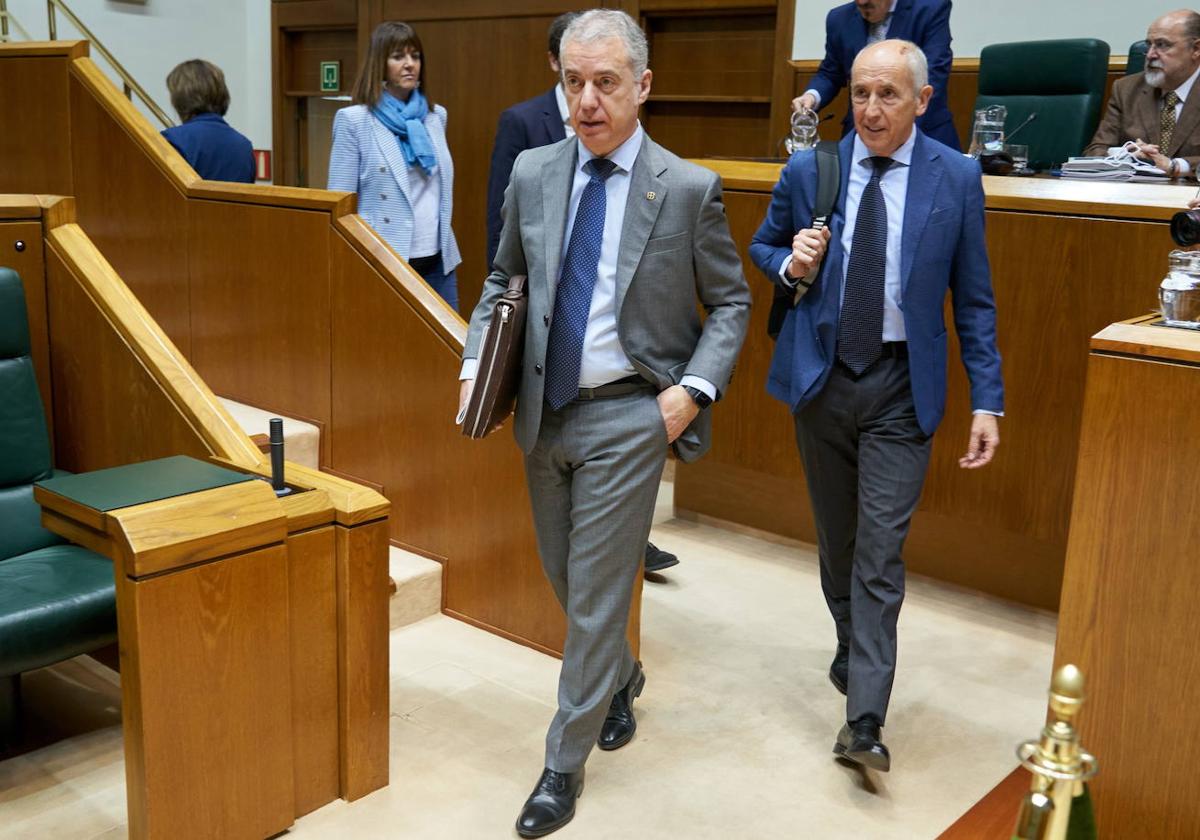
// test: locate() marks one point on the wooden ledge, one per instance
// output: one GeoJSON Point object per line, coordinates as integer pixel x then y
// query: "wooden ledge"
{"type": "Point", "coordinates": [29, 49]}
{"type": "Point", "coordinates": [1139, 337]}
{"type": "Point", "coordinates": [299, 198]}
{"type": "Point", "coordinates": [447, 323]}
{"type": "Point", "coordinates": [353, 504]}
{"type": "Point", "coordinates": [808, 66]}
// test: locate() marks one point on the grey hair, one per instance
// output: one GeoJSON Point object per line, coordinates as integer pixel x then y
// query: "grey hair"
{"type": "Point", "coordinates": [602, 24]}
{"type": "Point", "coordinates": [914, 60]}
{"type": "Point", "coordinates": [1191, 26]}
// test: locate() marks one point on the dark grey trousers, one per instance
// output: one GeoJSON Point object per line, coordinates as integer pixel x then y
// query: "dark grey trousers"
{"type": "Point", "coordinates": [593, 477]}
{"type": "Point", "coordinates": [865, 458]}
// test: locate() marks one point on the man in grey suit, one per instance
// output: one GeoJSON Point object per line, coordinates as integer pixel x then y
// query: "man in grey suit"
{"type": "Point", "coordinates": [619, 239]}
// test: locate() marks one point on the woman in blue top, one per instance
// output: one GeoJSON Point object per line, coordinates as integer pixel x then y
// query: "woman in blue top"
{"type": "Point", "coordinates": [215, 150]}
{"type": "Point", "coordinates": [390, 148]}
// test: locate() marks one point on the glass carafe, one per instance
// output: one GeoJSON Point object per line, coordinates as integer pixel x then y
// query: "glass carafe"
{"type": "Point", "coordinates": [804, 131]}
{"type": "Point", "coordinates": [1179, 292]}
{"type": "Point", "coordinates": [987, 135]}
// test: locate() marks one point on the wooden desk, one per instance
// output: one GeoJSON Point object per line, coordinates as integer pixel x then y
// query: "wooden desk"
{"type": "Point", "coordinates": [253, 639]}
{"type": "Point", "coordinates": [1068, 257]}
{"type": "Point", "coordinates": [1128, 612]}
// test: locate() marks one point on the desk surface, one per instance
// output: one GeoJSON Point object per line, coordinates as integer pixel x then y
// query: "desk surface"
{"type": "Point", "coordinates": [147, 481]}
{"type": "Point", "coordinates": [1044, 194]}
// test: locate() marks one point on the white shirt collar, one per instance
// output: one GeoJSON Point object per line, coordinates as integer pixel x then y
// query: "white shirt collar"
{"type": "Point", "coordinates": [1184, 89]}
{"type": "Point", "coordinates": [561, 97]}
{"type": "Point", "coordinates": [902, 155]}
{"type": "Point", "coordinates": [623, 156]}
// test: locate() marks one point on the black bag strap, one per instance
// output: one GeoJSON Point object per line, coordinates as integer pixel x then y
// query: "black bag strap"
{"type": "Point", "coordinates": [829, 182]}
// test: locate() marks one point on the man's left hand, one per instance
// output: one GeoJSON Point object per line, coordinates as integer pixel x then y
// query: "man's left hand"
{"type": "Point", "coordinates": [1153, 154]}
{"type": "Point", "coordinates": [678, 410]}
{"type": "Point", "coordinates": [985, 437]}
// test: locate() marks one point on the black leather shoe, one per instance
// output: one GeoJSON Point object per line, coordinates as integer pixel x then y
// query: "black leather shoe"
{"type": "Point", "coordinates": [839, 669]}
{"type": "Point", "coordinates": [551, 805]}
{"type": "Point", "coordinates": [620, 724]}
{"type": "Point", "coordinates": [657, 559]}
{"type": "Point", "coordinates": [859, 742]}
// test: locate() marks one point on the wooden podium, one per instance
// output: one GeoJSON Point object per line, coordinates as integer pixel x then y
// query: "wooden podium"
{"type": "Point", "coordinates": [1131, 586]}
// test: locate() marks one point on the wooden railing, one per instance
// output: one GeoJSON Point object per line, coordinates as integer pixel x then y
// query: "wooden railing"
{"type": "Point", "coordinates": [283, 298]}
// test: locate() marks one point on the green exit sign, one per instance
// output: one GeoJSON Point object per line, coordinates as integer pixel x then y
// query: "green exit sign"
{"type": "Point", "coordinates": [331, 76]}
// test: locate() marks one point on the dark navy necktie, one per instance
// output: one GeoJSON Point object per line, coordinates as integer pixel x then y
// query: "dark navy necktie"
{"type": "Point", "coordinates": [573, 300]}
{"type": "Point", "coordinates": [860, 327]}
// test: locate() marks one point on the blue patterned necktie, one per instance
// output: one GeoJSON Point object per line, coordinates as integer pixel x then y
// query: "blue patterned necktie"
{"type": "Point", "coordinates": [860, 327]}
{"type": "Point", "coordinates": [573, 300]}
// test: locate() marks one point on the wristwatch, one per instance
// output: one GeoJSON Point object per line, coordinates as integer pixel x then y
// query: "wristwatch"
{"type": "Point", "coordinates": [700, 398]}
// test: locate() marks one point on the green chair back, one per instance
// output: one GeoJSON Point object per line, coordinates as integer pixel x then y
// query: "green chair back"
{"type": "Point", "coordinates": [1137, 58]}
{"type": "Point", "coordinates": [1062, 82]}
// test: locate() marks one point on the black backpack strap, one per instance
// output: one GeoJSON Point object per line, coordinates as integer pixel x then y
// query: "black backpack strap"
{"type": "Point", "coordinates": [829, 183]}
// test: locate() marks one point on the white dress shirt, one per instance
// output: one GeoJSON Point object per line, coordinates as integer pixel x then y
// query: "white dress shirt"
{"type": "Point", "coordinates": [563, 110]}
{"type": "Point", "coordinates": [426, 203]}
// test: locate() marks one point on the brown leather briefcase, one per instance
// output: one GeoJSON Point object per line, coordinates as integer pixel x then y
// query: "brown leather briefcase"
{"type": "Point", "coordinates": [495, 392]}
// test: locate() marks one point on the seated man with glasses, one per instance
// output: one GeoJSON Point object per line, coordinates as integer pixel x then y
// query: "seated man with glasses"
{"type": "Point", "coordinates": [1159, 109]}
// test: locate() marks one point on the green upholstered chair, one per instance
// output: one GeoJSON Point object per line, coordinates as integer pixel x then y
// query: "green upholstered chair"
{"type": "Point", "coordinates": [1061, 81]}
{"type": "Point", "coordinates": [56, 600]}
{"type": "Point", "coordinates": [1137, 58]}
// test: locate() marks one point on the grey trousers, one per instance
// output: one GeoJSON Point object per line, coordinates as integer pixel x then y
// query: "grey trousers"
{"type": "Point", "coordinates": [593, 477]}
{"type": "Point", "coordinates": [865, 459]}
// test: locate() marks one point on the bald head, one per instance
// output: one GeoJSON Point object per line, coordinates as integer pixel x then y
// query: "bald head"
{"type": "Point", "coordinates": [1173, 49]}
{"type": "Point", "coordinates": [889, 89]}
{"type": "Point", "coordinates": [895, 53]}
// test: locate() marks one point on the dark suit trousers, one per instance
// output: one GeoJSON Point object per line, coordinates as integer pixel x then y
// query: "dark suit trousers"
{"type": "Point", "coordinates": [865, 458]}
{"type": "Point", "coordinates": [593, 477]}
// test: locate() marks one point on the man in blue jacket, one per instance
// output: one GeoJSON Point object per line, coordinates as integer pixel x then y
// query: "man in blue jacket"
{"type": "Point", "coordinates": [861, 358]}
{"type": "Point", "coordinates": [852, 26]}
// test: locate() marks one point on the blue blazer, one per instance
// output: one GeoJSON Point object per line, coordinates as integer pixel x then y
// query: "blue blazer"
{"type": "Point", "coordinates": [943, 248]}
{"type": "Point", "coordinates": [366, 159]}
{"type": "Point", "coordinates": [924, 22]}
{"type": "Point", "coordinates": [215, 150]}
{"type": "Point", "coordinates": [526, 125]}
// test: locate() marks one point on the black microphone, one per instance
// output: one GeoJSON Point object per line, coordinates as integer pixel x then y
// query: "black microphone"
{"type": "Point", "coordinates": [1028, 120]}
{"type": "Point", "coordinates": [277, 484]}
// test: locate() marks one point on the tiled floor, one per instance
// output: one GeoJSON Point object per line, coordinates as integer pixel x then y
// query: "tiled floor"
{"type": "Point", "coordinates": [735, 725]}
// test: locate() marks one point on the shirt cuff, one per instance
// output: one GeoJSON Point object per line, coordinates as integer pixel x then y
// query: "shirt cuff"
{"type": "Point", "coordinates": [790, 282]}
{"type": "Point", "coordinates": [700, 384]}
{"type": "Point", "coordinates": [988, 411]}
{"type": "Point", "coordinates": [1185, 168]}
{"type": "Point", "coordinates": [815, 96]}
{"type": "Point", "coordinates": [470, 367]}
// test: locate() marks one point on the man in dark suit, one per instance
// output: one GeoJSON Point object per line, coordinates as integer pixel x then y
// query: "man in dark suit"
{"type": "Point", "coordinates": [861, 358]}
{"type": "Point", "coordinates": [1156, 108]}
{"type": "Point", "coordinates": [850, 27]}
{"type": "Point", "coordinates": [539, 122]}
{"type": "Point", "coordinates": [622, 243]}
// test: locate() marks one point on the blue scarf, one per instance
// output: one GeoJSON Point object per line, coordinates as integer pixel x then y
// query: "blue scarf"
{"type": "Point", "coordinates": [406, 121]}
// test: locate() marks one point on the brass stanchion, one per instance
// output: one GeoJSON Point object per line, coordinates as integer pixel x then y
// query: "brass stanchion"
{"type": "Point", "coordinates": [1059, 765]}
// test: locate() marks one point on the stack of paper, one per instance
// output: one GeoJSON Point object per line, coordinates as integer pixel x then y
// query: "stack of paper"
{"type": "Point", "coordinates": [1112, 168]}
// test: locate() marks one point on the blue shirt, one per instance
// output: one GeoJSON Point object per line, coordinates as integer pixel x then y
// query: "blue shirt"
{"type": "Point", "coordinates": [215, 150]}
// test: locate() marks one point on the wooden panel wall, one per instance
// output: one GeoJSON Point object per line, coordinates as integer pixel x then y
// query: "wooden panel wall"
{"type": "Point", "coordinates": [30, 264]}
{"type": "Point", "coordinates": [1058, 279]}
{"type": "Point", "coordinates": [135, 216]}
{"type": "Point", "coordinates": [1129, 609]}
{"type": "Point", "coordinates": [36, 88]}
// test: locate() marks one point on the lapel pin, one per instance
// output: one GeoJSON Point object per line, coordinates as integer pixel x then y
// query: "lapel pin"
{"type": "Point", "coordinates": [650, 196]}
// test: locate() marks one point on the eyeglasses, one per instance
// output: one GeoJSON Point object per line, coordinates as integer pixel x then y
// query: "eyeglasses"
{"type": "Point", "coordinates": [1160, 45]}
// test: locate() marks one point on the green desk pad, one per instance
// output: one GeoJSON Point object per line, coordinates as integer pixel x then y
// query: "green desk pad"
{"type": "Point", "coordinates": [147, 481]}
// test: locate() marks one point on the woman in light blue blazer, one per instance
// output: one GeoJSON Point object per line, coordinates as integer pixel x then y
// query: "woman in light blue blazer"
{"type": "Point", "coordinates": [390, 148]}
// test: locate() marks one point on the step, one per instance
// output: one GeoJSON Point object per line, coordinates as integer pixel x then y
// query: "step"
{"type": "Point", "coordinates": [301, 441]}
{"type": "Point", "coordinates": [418, 587]}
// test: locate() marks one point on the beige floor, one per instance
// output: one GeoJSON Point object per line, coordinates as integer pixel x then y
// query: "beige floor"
{"type": "Point", "coordinates": [734, 732]}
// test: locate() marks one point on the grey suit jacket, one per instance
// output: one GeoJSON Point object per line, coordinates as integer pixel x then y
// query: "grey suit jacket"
{"type": "Point", "coordinates": [1134, 110]}
{"type": "Point", "coordinates": [675, 252]}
